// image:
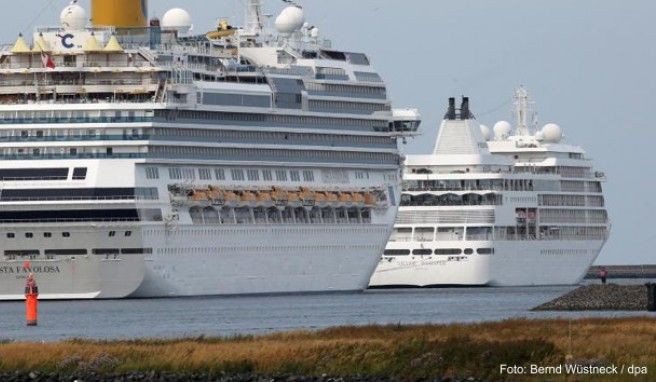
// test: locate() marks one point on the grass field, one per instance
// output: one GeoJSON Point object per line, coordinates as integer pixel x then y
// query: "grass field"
{"type": "Point", "coordinates": [422, 351]}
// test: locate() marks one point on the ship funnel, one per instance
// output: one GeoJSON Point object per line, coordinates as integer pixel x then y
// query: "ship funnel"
{"type": "Point", "coordinates": [119, 13]}
{"type": "Point", "coordinates": [451, 111]}
{"type": "Point", "coordinates": [464, 109]}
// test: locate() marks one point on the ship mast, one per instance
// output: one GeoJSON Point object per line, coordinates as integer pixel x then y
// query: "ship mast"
{"type": "Point", "coordinates": [523, 110]}
{"type": "Point", "coordinates": [254, 23]}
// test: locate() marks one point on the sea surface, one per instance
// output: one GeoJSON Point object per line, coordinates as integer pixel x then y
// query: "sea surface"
{"type": "Point", "coordinates": [228, 316]}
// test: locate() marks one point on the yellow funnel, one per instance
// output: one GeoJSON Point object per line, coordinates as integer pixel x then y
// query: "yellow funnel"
{"type": "Point", "coordinates": [119, 13]}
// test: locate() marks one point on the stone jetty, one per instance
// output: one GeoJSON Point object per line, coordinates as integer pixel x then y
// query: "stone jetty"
{"type": "Point", "coordinates": [601, 297]}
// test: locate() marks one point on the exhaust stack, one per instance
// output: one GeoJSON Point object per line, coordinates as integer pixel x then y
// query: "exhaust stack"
{"type": "Point", "coordinates": [119, 13]}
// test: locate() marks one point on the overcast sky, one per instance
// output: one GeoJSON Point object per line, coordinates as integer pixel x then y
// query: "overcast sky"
{"type": "Point", "coordinates": [590, 66]}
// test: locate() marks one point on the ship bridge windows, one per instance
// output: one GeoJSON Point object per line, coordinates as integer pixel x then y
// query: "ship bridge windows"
{"type": "Point", "coordinates": [450, 233]}
{"type": "Point", "coordinates": [401, 234]}
{"type": "Point", "coordinates": [424, 234]}
{"type": "Point", "coordinates": [479, 233]}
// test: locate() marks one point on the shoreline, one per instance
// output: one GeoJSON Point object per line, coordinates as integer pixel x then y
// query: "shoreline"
{"type": "Point", "coordinates": [366, 353]}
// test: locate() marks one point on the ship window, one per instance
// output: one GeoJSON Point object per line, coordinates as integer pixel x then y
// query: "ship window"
{"type": "Point", "coordinates": [128, 233]}
{"type": "Point", "coordinates": [29, 235]}
{"type": "Point", "coordinates": [152, 173]}
{"type": "Point", "coordinates": [64, 252]}
{"type": "Point", "coordinates": [11, 235]}
{"type": "Point", "coordinates": [295, 176]}
{"type": "Point", "coordinates": [422, 252]}
{"type": "Point", "coordinates": [253, 174]}
{"type": "Point", "coordinates": [175, 173]}
{"type": "Point", "coordinates": [47, 234]}
{"type": "Point", "coordinates": [448, 251]}
{"type": "Point", "coordinates": [469, 251]}
{"type": "Point", "coordinates": [396, 252]}
{"type": "Point", "coordinates": [79, 173]}
{"type": "Point", "coordinates": [24, 134]}
{"type": "Point", "coordinates": [237, 174]}
{"type": "Point", "coordinates": [281, 175]}
{"type": "Point", "coordinates": [485, 251]}
{"type": "Point", "coordinates": [112, 233]}
{"type": "Point", "coordinates": [308, 176]}
{"type": "Point", "coordinates": [267, 175]}
{"type": "Point", "coordinates": [66, 234]}
{"type": "Point", "coordinates": [204, 173]}
{"type": "Point", "coordinates": [73, 151]}
{"type": "Point", "coordinates": [105, 251]}
{"type": "Point", "coordinates": [219, 173]}
{"type": "Point", "coordinates": [189, 173]}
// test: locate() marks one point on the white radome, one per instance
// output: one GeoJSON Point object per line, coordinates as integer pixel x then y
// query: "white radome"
{"type": "Point", "coordinates": [290, 20]}
{"type": "Point", "coordinates": [177, 19]}
{"type": "Point", "coordinates": [73, 17]}
{"type": "Point", "coordinates": [502, 130]}
{"type": "Point", "coordinates": [552, 133]}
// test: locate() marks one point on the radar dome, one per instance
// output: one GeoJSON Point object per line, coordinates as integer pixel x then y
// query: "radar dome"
{"type": "Point", "coordinates": [486, 132]}
{"type": "Point", "coordinates": [177, 19]}
{"type": "Point", "coordinates": [290, 20]}
{"type": "Point", "coordinates": [73, 16]}
{"type": "Point", "coordinates": [502, 130]}
{"type": "Point", "coordinates": [552, 133]}
{"type": "Point", "coordinates": [314, 32]}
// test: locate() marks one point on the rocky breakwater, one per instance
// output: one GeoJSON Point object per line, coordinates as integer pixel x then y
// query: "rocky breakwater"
{"type": "Point", "coordinates": [601, 297]}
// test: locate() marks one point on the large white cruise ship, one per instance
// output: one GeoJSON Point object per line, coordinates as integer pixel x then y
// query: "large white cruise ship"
{"type": "Point", "coordinates": [139, 160]}
{"type": "Point", "coordinates": [513, 209]}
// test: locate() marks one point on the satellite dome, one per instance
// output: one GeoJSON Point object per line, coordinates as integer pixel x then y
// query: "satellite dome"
{"type": "Point", "coordinates": [314, 32]}
{"type": "Point", "coordinates": [177, 19]}
{"type": "Point", "coordinates": [502, 130]}
{"type": "Point", "coordinates": [552, 133]}
{"type": "Point", "coordinates": [73, 16]}
{"type": "Point", "coordinates": [290, 20]}
{"type": "Point", "coordinates": [486, 132]}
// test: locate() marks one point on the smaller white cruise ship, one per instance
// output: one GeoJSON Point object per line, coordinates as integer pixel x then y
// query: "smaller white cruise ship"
{"type": "Point", "coordinates": [496, 208]}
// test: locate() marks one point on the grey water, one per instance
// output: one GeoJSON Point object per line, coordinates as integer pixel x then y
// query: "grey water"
{"type": "Point", "coordinates": [229, 316]}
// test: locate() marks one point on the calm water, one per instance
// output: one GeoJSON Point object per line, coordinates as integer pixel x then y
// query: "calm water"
{"type": "Point", "coordinates": [224, 316]}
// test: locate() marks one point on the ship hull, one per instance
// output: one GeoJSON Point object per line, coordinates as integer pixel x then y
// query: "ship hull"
{"type": "Point", "coordinates": [261, 259]}
{"type": "Point", "coordinates": [514, 263]}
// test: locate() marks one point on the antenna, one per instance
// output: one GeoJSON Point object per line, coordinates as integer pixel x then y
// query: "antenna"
{"type": "Point", "coordinates": [522, 110]}
{"type": "Point", "coordinates": [254, 23]}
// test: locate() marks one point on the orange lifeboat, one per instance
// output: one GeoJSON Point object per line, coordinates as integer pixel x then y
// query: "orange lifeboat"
{"type": "Point", "coordinates": [279, 197]}
{"type": "Point", "coordinates": [346, 199]}
{"type": "Point", "coordinates": [264, 199]}
{"type": "Point", "coordinates": [294, 199]}
{"type": "Point", "coordinates": [248, 199]}
{"type": "Point", "coordinates": [358, 199]}
{"type": "Point", "coordinates": [332, 199]}
{"type": "Point", "coordinates": [216, 196]}
{"type": "Point", "coordinates": [308, 197]}
{"type": "Point", "coordinates": [197, 196]}
{"type": "Point", "coordinates": [320, 199]}
{"type": "Point", "coordinates": [231, 199]}
{"type": "Point", "coordinates": [370, 199]}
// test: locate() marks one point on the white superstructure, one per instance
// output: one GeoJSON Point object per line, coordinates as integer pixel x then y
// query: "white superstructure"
{"type": "Point", "coordinates": [147, 161]}
{"type": "Point", "coordinates": [498, 208]}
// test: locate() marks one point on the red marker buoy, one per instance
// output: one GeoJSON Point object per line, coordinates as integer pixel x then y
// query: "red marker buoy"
{"type": "Point", "coordinates": [31, 301]}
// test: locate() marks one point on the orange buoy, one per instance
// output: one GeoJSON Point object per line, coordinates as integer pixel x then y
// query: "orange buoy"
{"type": "Point", "coordinates": [31, 301]}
